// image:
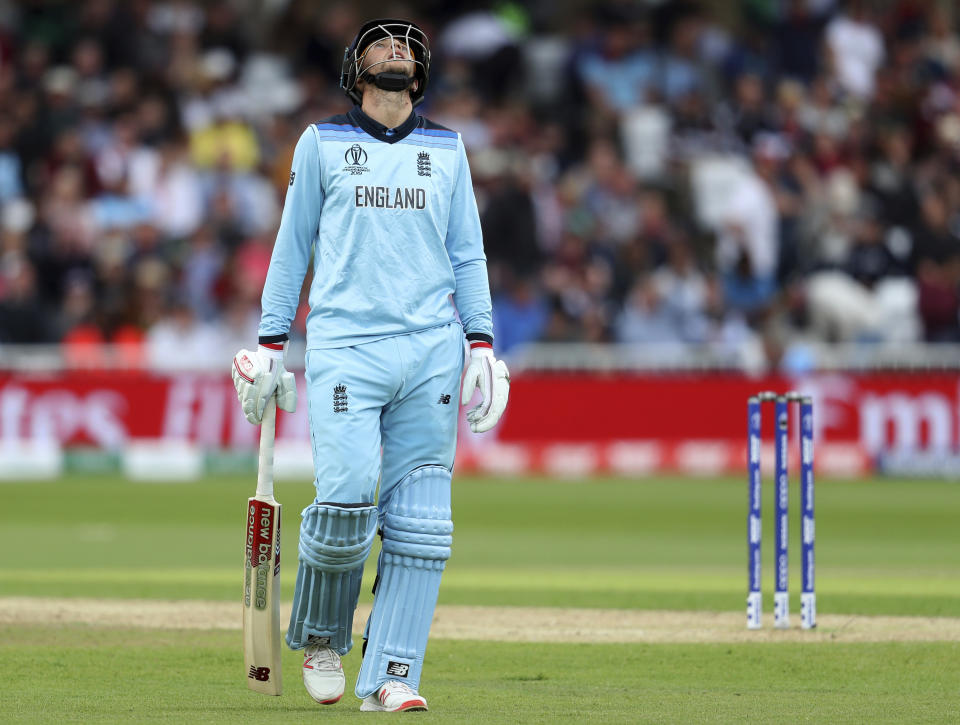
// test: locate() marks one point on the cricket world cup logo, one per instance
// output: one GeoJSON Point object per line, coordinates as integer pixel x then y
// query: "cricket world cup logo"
{"type": "Point", "coordinates": [355, 155]}
{"type": "Point", "coordinates": [356, 159]}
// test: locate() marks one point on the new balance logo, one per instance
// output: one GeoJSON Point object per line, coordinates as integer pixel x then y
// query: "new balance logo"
{"type": "Point", "coordinates": [423, 163]}
{"type": "Point", "coordinates": [398, 669]}
{"type": "Point", "coordinates": [444, 400]}
{"type": "Point", "coordinates": [340, 399]}
{"type": "Point", "coordinates": [260, 674]}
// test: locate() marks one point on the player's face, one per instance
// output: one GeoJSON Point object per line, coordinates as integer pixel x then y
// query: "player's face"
{"type": "Point", "coordinates": [391, 55]}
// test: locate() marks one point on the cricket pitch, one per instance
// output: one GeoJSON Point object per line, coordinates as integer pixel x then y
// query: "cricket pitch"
{"type": "Point", "coordinates": [508, 624]}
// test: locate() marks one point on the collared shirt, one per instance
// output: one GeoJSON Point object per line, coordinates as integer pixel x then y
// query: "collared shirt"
{"type": "Point", "coordinates": [390, 219]}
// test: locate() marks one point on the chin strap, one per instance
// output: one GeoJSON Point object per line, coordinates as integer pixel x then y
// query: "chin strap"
{"type": "Point", "coordinates": [394, 82]}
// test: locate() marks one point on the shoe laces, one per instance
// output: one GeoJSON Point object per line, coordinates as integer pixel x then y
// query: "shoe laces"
{"type": "Point", "coordinates": [394, 687]}
{"type": "Point", "coordinates": [322, 657]}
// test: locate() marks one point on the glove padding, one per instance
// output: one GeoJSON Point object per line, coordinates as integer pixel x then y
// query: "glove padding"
{"type": "Point", "coordinates": [493, 379]}
{"type": "Point", "coordinates": [257, 375]}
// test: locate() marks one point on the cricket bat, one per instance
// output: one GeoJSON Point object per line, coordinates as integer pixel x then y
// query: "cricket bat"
{"type": "Point", "coordinates": [261, 576]}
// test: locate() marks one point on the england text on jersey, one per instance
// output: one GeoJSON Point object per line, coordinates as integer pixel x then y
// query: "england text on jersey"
{"type": "Point", "coordinates": [391, 197]}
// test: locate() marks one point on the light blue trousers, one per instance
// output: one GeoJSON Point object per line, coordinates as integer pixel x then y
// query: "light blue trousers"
{"type": "Point", "coordinates": [400, 394]}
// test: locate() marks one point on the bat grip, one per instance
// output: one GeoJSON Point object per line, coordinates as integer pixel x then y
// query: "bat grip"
{"type": "Point", "coordinates": [268, 428]}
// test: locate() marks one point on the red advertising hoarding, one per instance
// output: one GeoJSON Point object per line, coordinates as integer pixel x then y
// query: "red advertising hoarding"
{"type": "Point", "coordinates": [554, 422]}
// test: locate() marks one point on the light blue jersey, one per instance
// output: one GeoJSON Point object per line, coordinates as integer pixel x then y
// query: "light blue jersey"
{"type": "Point", "coordinates": [391, 221]}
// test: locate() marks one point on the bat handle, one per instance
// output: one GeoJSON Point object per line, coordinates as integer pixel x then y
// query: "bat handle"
{"type": "Point", "coordinates": [268, 428]}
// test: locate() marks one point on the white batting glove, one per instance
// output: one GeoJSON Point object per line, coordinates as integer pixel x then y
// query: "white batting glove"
{"type": "Point", "coordinates": [493, 379]}
{"type": "Point", "coordinates": [256, 375]}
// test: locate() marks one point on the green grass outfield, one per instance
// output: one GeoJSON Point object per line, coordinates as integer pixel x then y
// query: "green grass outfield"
{"type": "Point", "coordinates": [885, 547]}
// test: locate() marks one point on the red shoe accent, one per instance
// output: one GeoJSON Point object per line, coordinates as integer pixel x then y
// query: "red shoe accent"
{"type": "Point", "coordinates": [330, 702]}
{"type": "Point", "coordinates": [410, 704]}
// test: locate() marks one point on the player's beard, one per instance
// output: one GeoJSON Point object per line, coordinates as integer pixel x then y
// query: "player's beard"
{"type": "Point", "coordinates": [393, 65]}
{"type": "Point", "coordinates": [396, 65]}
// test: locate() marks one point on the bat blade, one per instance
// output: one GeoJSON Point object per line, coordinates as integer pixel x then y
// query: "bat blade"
{"type": "Point", "coordinates": [261, 597]}
{"type": "Point", "coordinates": [261, 578]}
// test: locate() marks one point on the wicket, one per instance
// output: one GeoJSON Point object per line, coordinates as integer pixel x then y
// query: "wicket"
{"type": "Point", "coordinates": [781, 596]}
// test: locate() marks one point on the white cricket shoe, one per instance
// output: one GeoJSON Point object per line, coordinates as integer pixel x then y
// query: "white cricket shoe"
{"type": "Point", "coordinates": [393, 696]}
{"type": "Point", "coordinates": [322, 673]}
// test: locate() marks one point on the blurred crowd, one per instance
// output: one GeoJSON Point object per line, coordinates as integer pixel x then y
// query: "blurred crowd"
{"type": "Point", "coordinates": [748, 175]}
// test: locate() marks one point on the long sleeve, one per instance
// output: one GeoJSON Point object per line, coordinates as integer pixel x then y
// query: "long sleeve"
{"type": "Point", "coordinates": [298, 230]}
{"type": "Point", "coordinates": [464, 244]}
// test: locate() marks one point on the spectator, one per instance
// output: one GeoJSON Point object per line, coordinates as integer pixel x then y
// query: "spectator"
{"type": "Point", "coordinates": [797, 40]}
{"type": "Point", "coordinates": [181, 331]}
{"type": "Point", "coordinates": [520, 313]}
{"type": "Point", "coordinates": [24, 318]}
{"type": "Point", "coordinates": [11, 169]}
{"type": "Point", "coordinates": [621, 72]}
{"type": "Point", "coordinates": [646, 317]}
{"type": "Point", "coordinates": [748, 246]}
{"type": "Point", "coordinates": [169, 188]}
{"type": "Point", "coordinates": [509, 225]}
{"type": "Point", "coordinates": [684, 292]}
{"type": "Point", "coordinates": [936, 264]}
{"type": "Point", "coordinates": [202, 268]}
{"type": "Point", "coordinates": [487, 42]}
{"type": "Point", "coordinates": [856, 49]}
{"type": "Point", "coordinates": [941, 46]}
{"type": "Point", "coordinates": [679, 72]}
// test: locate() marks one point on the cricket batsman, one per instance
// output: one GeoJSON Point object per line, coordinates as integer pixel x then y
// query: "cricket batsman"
{"type": "Point", "coordinates": [381, 200]}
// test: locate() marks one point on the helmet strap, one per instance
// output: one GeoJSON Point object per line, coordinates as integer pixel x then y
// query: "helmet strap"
{"type": "Point", "coordinates": [393, 82]}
